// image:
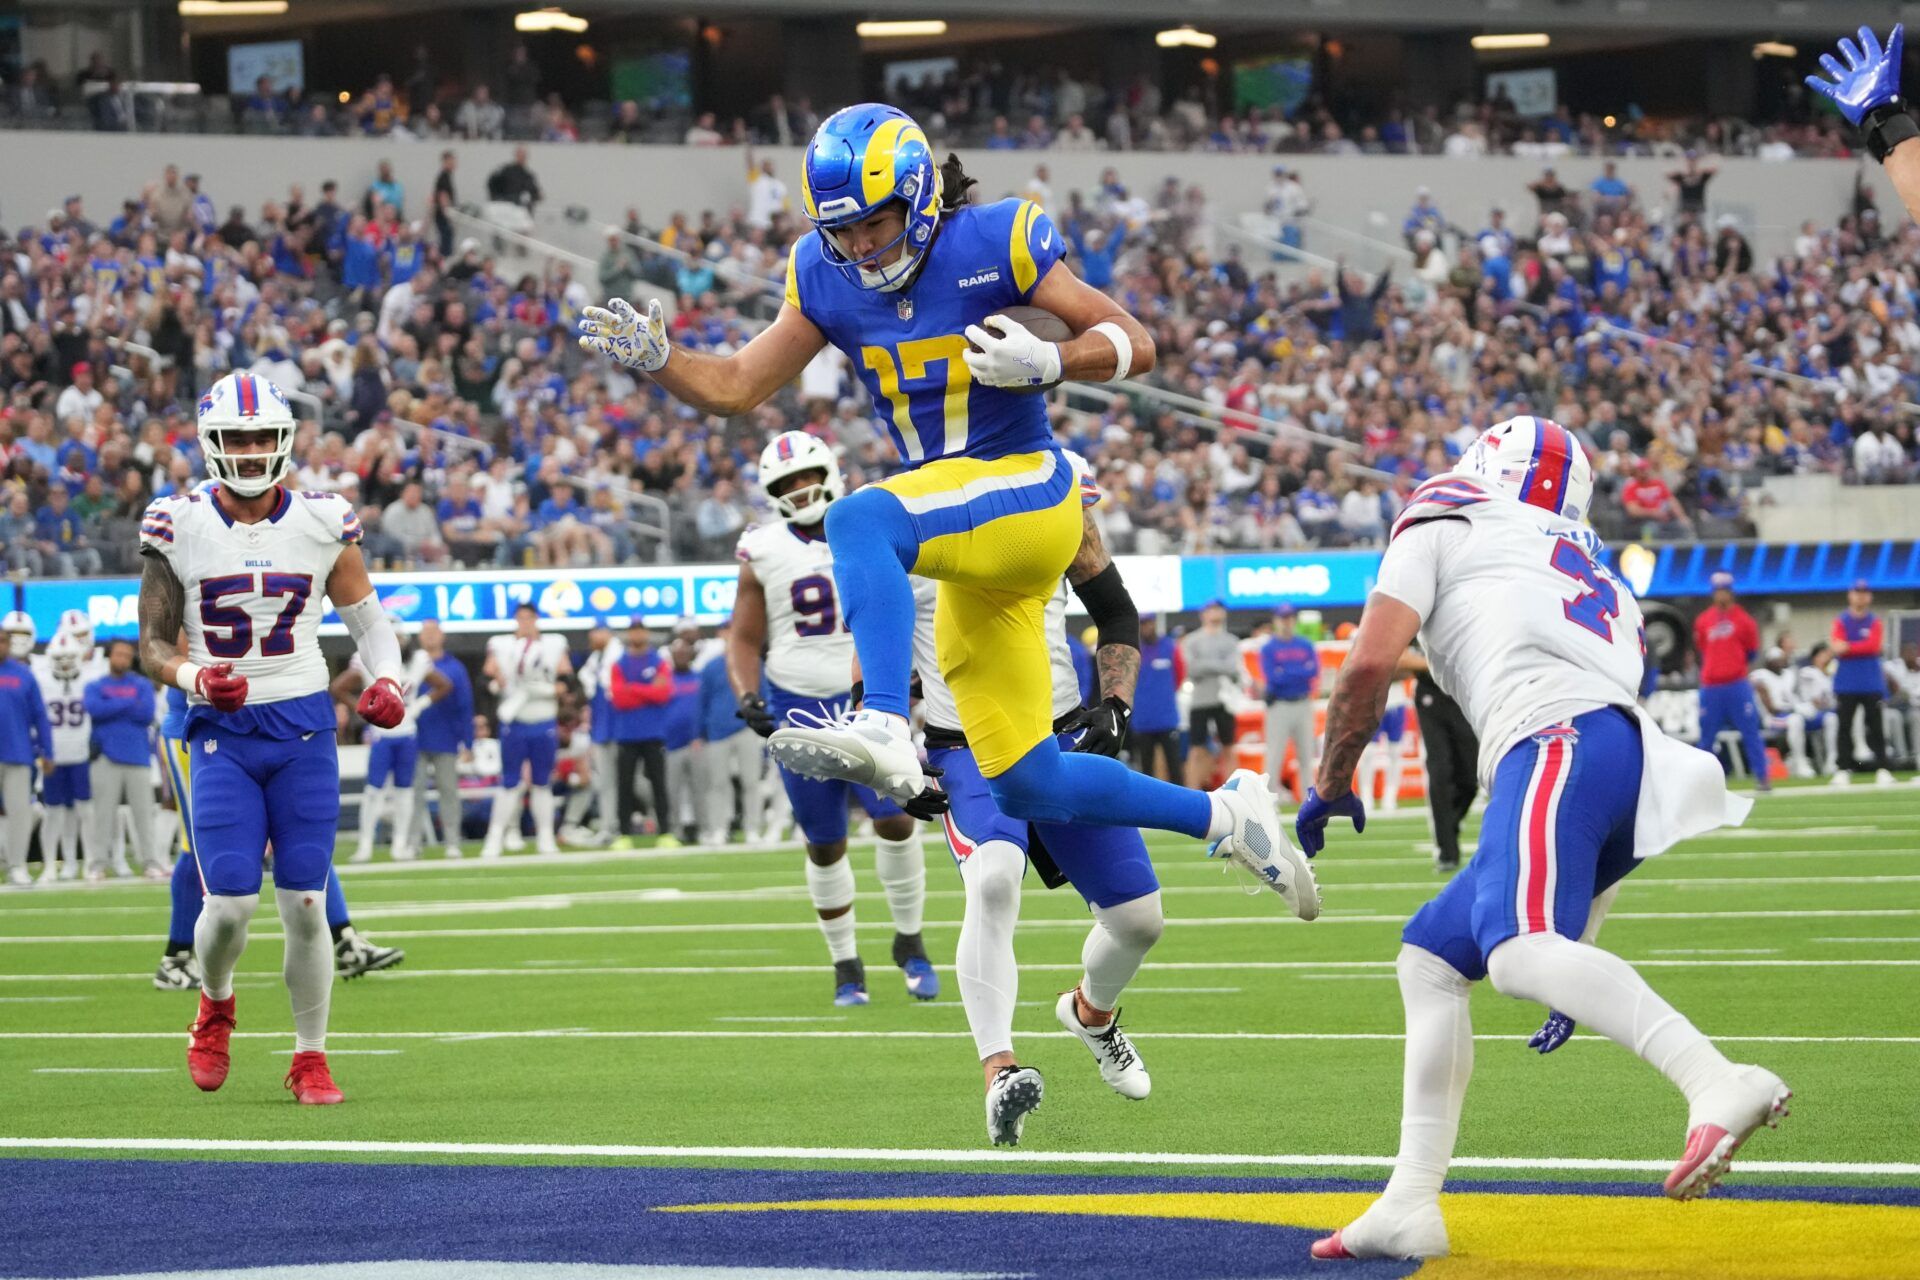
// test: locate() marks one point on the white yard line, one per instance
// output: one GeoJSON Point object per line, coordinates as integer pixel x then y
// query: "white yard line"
{"type": "Point", "coordinates": [106, 1071]}
{"type": "Point", "coordinates": [582, 1033]}
{"type": "Point", "coordinates": [935, 1155]}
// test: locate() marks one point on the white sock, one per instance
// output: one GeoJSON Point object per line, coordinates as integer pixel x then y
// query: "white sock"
{"type": "Point", "coordinates": [541, 802]}
{"type": "Point", "coordinates": [53, 833]}
{"type": "Point", "coordinates": [506, 810]}
{"type": "Point", "coordinates": [400, 805]}
{"type": "Point", "coordinates": [1439, 1061]}
{"type": "Point", "coordinates": [901, 866]}
{"type": "Point", "coordinates": [370, 802]}
{"type": "Point", "coordinates": [1605, 993]}
{"type": "Point", "coordinates": [219, 937]}
{"type": "Point", "coordinates": [984, 963]}
{"type": "Point", "coordinates": [1119, 940]}
{"type": "Point", "coordinates": [1220, 825]}
{"type": "Point", "coordinates": [308, 968]}
{"type": "Point", "coordinates": [831, 888]}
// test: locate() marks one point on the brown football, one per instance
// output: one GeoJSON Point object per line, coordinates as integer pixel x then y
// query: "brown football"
{"type": "Point", "coordinates": [1042, 324]}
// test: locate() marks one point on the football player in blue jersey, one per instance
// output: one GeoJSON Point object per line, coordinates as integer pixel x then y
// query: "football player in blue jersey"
{"type": "Point", "coordinates": [909, 281]}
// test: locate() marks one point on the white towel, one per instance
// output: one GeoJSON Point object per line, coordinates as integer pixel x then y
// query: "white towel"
{"type": "Point", "coordinates": [1683, 792]}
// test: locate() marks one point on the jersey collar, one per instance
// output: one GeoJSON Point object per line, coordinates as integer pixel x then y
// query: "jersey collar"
{"type": "Point", "coordinates": [273, 516]}
{"type": "Point", "coordinates": [799, 531]}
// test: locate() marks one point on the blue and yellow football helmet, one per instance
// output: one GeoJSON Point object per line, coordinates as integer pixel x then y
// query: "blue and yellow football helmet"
{"type": "Point", "coordinates": [862, 158]}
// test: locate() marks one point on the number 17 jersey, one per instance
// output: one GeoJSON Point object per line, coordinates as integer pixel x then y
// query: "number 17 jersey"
{"type": "Point", "coordinates": [1523, 625]}
{"type": "Point", "coordinates": [254, 597]}
{"type": "Point", "coordinates": [809, 649]}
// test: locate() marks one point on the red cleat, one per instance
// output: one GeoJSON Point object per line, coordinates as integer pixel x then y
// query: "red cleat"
{"type": "Point", "coordinates": [1330, 1249]}
{"type": "Point", "coordinates": [207, 1042]}
{"type": "Point", "coordinates": [312, 1084]}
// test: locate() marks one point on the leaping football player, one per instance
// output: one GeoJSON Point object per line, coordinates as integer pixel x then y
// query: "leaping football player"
{"type": "Point", "coordinates": [786, 607]}
{"type": "Point", "coordinates": [1494, 567]}
{"type": "Point", "coordinates": [243, 570]}
{"type": "Point", "coordinates": [908, 280]}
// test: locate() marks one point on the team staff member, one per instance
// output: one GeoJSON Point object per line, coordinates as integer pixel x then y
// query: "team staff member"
{"type": "Point", "coordinates": [682, 737]}
{"type": "Point", "coordinates": [1289, 678]}
{"type": "Point", "coordinates": [596, 685]}
{"type": "Point", "coordinates": [1728, 641]}
{"type": "Point", "coordinates": [1453, 753]}
{"type": "Point", "coordinates": [641, 686]}
{"type": "Point", "coordinates": [446, 738]}
{"type": "Point", "coordinates": [121, 704]}
{"type": "Point", "coordinates": [1154, 733]}
{"type": "Point", "coordinates": [1860, 683]}
{"type": "Point", "coordinates": [26, 738]}
{"type": "Point", "coordinates": [730, 752]}
{"type": "Point", "coordinates": [1213, 664]}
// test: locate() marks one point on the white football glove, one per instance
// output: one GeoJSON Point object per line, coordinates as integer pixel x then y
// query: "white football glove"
{"type": "Point", "coordinates": [1013, 358]}
{"type": "Point", "coordinates": [621, 334]}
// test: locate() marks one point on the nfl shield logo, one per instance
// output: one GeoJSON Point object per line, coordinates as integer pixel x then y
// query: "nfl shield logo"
{"type": "Point", "coordinates": [905, 309]}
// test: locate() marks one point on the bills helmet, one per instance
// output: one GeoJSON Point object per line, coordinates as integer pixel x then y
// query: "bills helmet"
{"type": "Point", "coordinates": [239, 404]}
{"type": "Point", "coordinates": [66, 655]}
{"type": "Point", "coordinates": [77, 624]}
{"type": "Point", "coordinates": [19, 629]}
{"type": "Point", "coordinates": [1535, 460]}
{"type": "Point", "coordinates": [789, 454]}
{"type": "Point", "coordinates": [861, 159]}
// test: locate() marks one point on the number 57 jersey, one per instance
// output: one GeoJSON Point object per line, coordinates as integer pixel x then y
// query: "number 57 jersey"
{"type": "Point", "coordinates": [809, 649]}
{"type": "Point", "coordinates": [254, 591]}
{"type": "Point", "coordinates": [1522, 623]}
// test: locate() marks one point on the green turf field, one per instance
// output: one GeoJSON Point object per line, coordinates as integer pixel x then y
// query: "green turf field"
{"type": "Point", "coordinates": [675, 1007]}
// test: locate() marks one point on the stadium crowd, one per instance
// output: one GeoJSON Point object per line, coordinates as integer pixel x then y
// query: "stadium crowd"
{"type": "Point", "coordinates": [978, 102]}
{"type": "Point", "coordinates": [1292, 407]}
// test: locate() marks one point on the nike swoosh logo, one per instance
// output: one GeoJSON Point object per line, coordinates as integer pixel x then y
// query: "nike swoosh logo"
{"type": "Point", "coordinates": [1047, 240]}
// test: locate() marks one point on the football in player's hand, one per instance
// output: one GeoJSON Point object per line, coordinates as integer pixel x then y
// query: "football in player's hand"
{"type": "Point", "coordinates": [1042, 324]}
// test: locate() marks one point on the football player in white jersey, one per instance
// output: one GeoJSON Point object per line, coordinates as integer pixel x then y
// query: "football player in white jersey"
{"type": "Point", "coordinates": [392, 754]}
{"type": "Point", "coordinates": [1773, 688]}
{"type": "Point", "coordinates": [787, 607]}
{"type": "Point", "coordinates": [524, 670]}
{"type": "Point", "coordinates": [66, 791]}
{"type": "Point", "coordinates": [1494, 568]}
{"type": "Point", "coordinates": [244, 570]}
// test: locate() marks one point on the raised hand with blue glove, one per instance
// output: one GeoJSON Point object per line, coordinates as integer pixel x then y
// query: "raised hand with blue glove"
{"type": "Point", "coordinates": [1867, 89]}
{"type": "Point", "coordinates": [1310, 824]}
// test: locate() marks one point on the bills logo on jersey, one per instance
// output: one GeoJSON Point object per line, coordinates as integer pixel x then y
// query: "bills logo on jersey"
{"type": "Point", "coordinates": [206, 404]}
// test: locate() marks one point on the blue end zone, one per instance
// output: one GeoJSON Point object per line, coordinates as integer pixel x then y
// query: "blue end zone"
{"type": "Point", "coordinates": [73, 1217]}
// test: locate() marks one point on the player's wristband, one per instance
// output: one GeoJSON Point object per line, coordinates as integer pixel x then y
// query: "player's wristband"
{"type": "Point", "coordinates": [1886, 127]}
{"type": "Point", "coordinates": [1122, 348]}
{"type": "Point", "coordinates": [186, 677]}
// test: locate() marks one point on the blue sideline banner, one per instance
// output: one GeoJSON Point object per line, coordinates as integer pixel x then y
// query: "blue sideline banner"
{"type": "Point", "coordinates": [484, 601]}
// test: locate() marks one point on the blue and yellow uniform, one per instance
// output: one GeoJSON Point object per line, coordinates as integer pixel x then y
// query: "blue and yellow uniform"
{"type": "Point", "coordinates": [992, 501]}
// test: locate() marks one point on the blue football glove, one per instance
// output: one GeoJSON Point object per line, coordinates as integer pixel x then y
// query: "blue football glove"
{"type": "Point", "coordinates": [1870, 79]}
{"type": "Point", "coordinates": [1554, 1032]}
{"type": "Point", "coordinates": [1310, 824]}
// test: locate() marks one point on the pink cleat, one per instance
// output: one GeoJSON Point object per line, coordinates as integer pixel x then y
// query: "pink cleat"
{"type": "Point", "coordinates": [1388, 1229]}
{"type": "Point", "coordinates": [1330, 1249]}
{"type": "Point", "coordinates": [1728, 1116]}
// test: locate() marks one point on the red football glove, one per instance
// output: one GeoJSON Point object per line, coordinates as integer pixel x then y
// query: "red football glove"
{"type": "Point", "coordinates": [382, 704]}
{"type": "Point", "coordinates": [219, 686]}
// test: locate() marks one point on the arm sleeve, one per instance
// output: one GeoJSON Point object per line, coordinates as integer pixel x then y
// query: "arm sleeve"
{"type": "Point", "coordinates": [372, 632]}
{"type": "Point", "coordinates": [1111, 608]}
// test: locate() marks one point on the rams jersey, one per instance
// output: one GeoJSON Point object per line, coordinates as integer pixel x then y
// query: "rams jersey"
{"type": "Point", "coordinates": [529, 675]}
{"type": "Point", "coordinates": [906, 345]}
{"type": "Point", "coordinates": [809, 649]}
{"type": "Point", "coordinates": [67, 712]}
{"type": "Point", "coordinates": [254, 591]}
{"type": "Point", "coordinates": [1523, 624]}
{"type": "Point", "coordinates": [936, 699]}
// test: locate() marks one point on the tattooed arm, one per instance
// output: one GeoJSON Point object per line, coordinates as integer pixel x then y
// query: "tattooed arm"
{"type": "Point", "coordinates": [1360, 697]}
{"type": "Point", "coordinates": [1096, 580]}
{"type": "Point", "coordinates": [163, 612]}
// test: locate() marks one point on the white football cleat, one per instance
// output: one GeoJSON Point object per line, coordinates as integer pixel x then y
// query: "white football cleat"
{"type": "Point", "coordinates": [363, 854]}
{"type": "Point", "coordinates": [1013, 1093]}
{"type": "Point", "coordinates": [1801, 769]}
{"type": "Point", "coordinates": [1883, 778]}
{"type": "Point", "coordinates": [20, 876]}
{"type": "Point", "coordinates": [50, 873]}
{"type": "Point", "coordinates": [870, 748]}
{"type": "Point", "coordinates": [1841, 779]}
{"type": "Point", "coordinates": [1387, 1231]}
{"type": "Point", "coordinates": [1259, 842]}
{"type": "Point", "coordinates": [1119, 1062]}
{"type": "Point", "coordinates": [1726, 1116]}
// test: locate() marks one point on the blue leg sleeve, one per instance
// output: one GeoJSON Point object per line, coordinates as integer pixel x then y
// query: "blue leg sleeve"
{"type": "Point", "coordinates": [1051, 785]}
{"type": "Point", "coordinates": [874, 545]}
{"type": "Point", "coordinates": [336, 902]}
{"type": "Point", "coordinates": [185, 890]}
